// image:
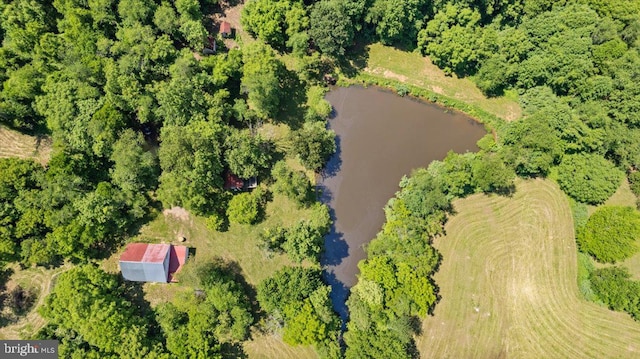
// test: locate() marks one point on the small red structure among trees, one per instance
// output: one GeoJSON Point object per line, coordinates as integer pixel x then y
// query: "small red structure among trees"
{"type": "Point", "coordinates": [143, 262]}
{"type": "Point", "coordinates": [225, 29]}
{"type": "Point", "coordinates": [234, 183]}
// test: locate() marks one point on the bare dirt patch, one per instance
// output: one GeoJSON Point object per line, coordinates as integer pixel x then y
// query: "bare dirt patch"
{"type": "Point", "coordinates": [392, 75]}
{"type": "Point", "coordinates": [177, 212]}
{"type": "Point", "coordinates": [230, 12]}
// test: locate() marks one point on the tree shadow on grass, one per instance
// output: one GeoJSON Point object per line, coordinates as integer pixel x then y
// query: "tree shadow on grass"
{"type": "Point", "coordinates": [355, 60]}
{"type": "Point", "coordinates": [233, 351]}
{"type": "Point", "coordinates": [134, 293]}
{"type": "Point", "coordinates": [293, 99]}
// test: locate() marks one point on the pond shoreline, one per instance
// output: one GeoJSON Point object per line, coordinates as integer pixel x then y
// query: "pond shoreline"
{"type": "Point", "coordinates": [491, 122]}
{"type": "Point", "coordinates": [380, 137]}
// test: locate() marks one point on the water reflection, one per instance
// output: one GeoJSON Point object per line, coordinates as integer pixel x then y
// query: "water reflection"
{"type": "Point", "coordinates": [380, 138]}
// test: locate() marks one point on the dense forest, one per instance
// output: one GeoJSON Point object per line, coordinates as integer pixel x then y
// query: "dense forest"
{"type": "Point", "coordinates": [141, 119]}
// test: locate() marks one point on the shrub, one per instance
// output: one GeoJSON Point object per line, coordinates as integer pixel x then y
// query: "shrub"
{"type": "Point", "coordinates": [303, 241]}
{"type": "Point", "coordinates": [244, 208]}
{"type": "Point", "coordinates": [19, 300]}
{"type": "Point", "coordinates": [611, 233]}
{"type": "Point", "coordinates": [580, 215]}
{"type": "Point", "coordinates": [614, 288]}
{"type": "Point", "coordinates": [293, 184]}
{"type": "Point", "coordinates": [217, 222]}
{"type": "Point", "coordinates": [272, 239]}
{"type": "Point", "coordinates": [491, 175]}
{"type": "Point", "coordinates": [402, 90]}
{"type": "Point", "coordinates": [585, 269]}
{"type": "Point", "coordinates": [313, 144]}
{"type": "Point", "coordinates": [588, 178]}
{"type": "Point", "coordinates": [634, 181]}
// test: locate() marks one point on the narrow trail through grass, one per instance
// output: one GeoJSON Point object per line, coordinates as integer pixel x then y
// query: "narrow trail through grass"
{"type": "Point", "coordinates": [508, 285]}
{"type": "Point", "coordinates": [41, 280]}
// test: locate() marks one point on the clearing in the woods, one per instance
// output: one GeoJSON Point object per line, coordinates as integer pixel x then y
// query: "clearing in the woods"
{"type": "Point", "coordinates": [16, 144]}
{"type": "Point", "coordinates": [415, 69]}
{"type": "Point", "coordinates": [508, 285]}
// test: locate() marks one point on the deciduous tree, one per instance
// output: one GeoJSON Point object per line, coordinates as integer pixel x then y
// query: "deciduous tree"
{"type": "Point", "coordinates": [611, 234]}
{"type": "Point", "coordinates": [588, 178]}
{"type": "Point", "coordinates": [331, 28]}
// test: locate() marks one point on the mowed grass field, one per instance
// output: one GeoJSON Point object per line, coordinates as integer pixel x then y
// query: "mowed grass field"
{"type": "Point", "coordinates": [508, 285]}
{"type": "Point", "coordinates": [40, 281]}
{"type": "Point", "coordinates": [415, 69]}
{"type": "Point", "coordinates": [240, 245]}
{"type": "Point", "coordinates": [16, 144]}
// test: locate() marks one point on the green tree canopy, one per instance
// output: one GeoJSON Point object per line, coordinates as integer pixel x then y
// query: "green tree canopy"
{"type": "Point", "coordinates": [293, 184]}
{"type": "Point", "coordinates": [588, 178]}
{"type": "Point", "coordinates": [246, 155]}
{"type": "Point", "coordinates": [18, 178]}
{"type": "Point", "coordinates": [134, 169]}
{"type": "Point", "coordinates": [191, 162]}
{"type": "Point", "coordinates": [313, 144]}
{"type": "Point", "coordinates": [244, 208]}
{"type": "Point", "coordinates": [614, 287]}
{"type": "Point", "coordinates": [289, 285]}
{"type": "Point", "coordinates": [261, 80]}
{"type": "Point", "coordinates": [611, 234]}
{"type": "Point", "coordinates": [397, 22]}
{"type": "Point", "coordinates": [454, 40]}
{"type": "Point", "coordinates": [90, 303]}
{"type": "Point", "coordinates": [331, 28]}
{"type": "Point", "coordinates": [204, 323]}
{"type": "Point", "coordinates": [275, 22]}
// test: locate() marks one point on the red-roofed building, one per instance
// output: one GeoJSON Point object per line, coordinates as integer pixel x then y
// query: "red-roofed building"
{"type": "Point", "coordinates": [234, 183]}
{"type": "Point", "coordinates": [142, 262]}
{"type": "Point", "coordinates": [225, 29]}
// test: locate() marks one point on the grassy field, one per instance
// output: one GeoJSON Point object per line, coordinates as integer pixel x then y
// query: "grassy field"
{"type": "Point", "coordinates": [238, 244]}
{"type": "Point", "coordinates": [15, 144]}
{"type": "Point", "coordinates": [508, 285]}
{"type": "Point", "coordinates": [623, 197]}
{"type": "Point", "coordinates": [40, 280]}
{"type": "Point", "coordinates": [272, 347]}
{"type": "Point", "coordinates": [417, 70]}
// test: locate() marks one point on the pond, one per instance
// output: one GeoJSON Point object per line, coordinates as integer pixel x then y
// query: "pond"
{"type": "Point", "coordinates": [381, 137]}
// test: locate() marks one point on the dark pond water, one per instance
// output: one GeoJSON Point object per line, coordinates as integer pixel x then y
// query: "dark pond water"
{"type": "Point", "coordinates": [380, 138]}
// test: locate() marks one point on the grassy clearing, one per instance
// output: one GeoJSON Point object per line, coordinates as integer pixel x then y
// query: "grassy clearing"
{"type": "Point", "coordinates": [272, 347]}
{"type": "Point", "coordinates": [16, 144]}
{"type": "Point", "coordinates": [238, 244]}
{"type": "Point", "coordinates": [414, 69]}
{"type": "Point", "coordinates": [508, 285]}
{"type": "Point", "coordinates": [623, 197]}
{"type": "Point", "coordinates": [41, 281]}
